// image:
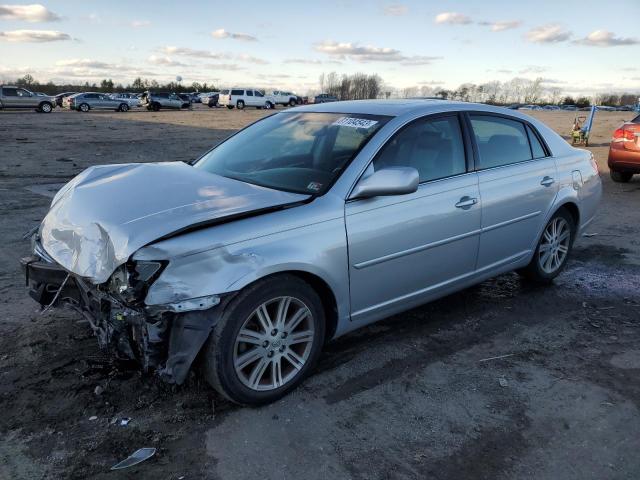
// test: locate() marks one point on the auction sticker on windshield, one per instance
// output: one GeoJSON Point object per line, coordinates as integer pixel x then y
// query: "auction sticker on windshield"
{"type": "Point", "coordinates": [355, 122]}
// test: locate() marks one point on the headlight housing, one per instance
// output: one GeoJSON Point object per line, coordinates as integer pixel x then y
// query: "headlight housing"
{"type": "Point", "coordinates": [130, 282]}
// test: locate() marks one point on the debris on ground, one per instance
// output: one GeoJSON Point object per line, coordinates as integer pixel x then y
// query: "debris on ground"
{"type": "Point", "coordinates": [135, 458]}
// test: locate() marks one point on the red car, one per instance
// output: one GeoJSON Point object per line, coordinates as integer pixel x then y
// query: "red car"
{"type": "Point", "coordinates": [624, 151]}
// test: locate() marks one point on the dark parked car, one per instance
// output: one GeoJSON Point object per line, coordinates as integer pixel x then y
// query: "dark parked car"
{"type": "Point", "coordinates": [324, 98]}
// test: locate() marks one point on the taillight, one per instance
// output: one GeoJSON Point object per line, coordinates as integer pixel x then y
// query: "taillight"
{"type": "Point", "coordinates": [623, 135]}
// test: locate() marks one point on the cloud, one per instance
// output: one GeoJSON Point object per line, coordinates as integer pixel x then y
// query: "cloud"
{"type": "Point", "coordinates": [452, 18]}
{"type": "Point", "coordinates": [501, 26]}
{"type": "Point", "coordinates": [165, 61]}
{"type": "Point", "coordinates": [248, 58]}
{"type": "Point", "coordinates": [603, 38]}
{"type": "Point", "coordinates": [222, 33]}
{"type": "Point", "coordinates": [552, 81]}
{"type": "Point", "coordinates": [551, 33]}
{"type": "Point", "coordinates": [140, 23]}
{"type": "Point", "coordinates": [190, 52]}
{"type": "Point", "coordinates": [369, 53]}
{"type": "Point", "coordinates": [28, 13]}
{"type": "Point", "coordinates": [396, 10]}
{"type": "Point", "coordinates": [309, 61]}
{"type": "Point", "coordinates": [533, 69]}
{"type": "Point", "coordinates": [86, 63]}
{"type": "Point", "coordinates": [33, 36]}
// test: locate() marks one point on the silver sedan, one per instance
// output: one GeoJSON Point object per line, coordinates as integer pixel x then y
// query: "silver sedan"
{"type": "Point", "coordinates": [304, 226]}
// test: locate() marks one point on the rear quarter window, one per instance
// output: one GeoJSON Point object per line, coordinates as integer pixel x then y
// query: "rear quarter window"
{"type": "Point", "coordinates": [237, 92]}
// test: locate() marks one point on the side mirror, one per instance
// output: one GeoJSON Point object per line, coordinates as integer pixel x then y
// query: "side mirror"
{"type": "Point", "coordinates": [387, 181]}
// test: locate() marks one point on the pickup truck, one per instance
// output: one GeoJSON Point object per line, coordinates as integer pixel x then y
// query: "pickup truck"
{"type": "Point", "coordinates": [17, 97]}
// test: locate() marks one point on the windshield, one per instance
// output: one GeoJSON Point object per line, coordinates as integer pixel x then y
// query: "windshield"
{"type": "Point", "coordinates": [295, 152]}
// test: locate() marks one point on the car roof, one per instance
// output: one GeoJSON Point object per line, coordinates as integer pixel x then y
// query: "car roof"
{"type": "Point", "coordinates": [397, 107]}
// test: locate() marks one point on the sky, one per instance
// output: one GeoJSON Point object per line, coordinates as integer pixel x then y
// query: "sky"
{"type": "Point", "coordinates": [586, 46]}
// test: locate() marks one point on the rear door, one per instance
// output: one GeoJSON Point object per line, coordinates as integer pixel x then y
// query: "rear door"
{"type": "Point", "coordinates": [518, 185]}
{"type": "Point", "coordinates": [404, 248]}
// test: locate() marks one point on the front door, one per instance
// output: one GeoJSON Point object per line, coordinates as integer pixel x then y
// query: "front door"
{"type": "Point", "coordinates": [405, 248]}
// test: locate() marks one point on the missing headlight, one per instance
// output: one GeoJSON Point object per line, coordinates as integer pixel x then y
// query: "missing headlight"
{"type": "Point", "coordinates": [146, 270]}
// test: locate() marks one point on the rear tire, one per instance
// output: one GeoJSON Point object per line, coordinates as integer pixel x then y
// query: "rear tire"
{"type": "Point", "coordinates": [620, 177]}
{"type": "Point", "coordinates": [270, 344]}
{"type": "Point", "coordinates": [230, 107]}
{"type": "Point", "coordinates": [553, 249]}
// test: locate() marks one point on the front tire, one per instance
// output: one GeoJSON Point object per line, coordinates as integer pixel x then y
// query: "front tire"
{"type": "Point", "coordinates": [553, 250]}
{"type": "Point", "coordinates": [268, 105]}
{"type": "Point", "coordinates": [155, 107]}
{"type": "Point", "coordinates": [267, 341]}
{"type": "Point", "coordinates": [292, 102]}
{"type": "Point", "coordinates": [620, 177]}
{"type": "Point", "coordinates": [240, 105]}
{"type": "Point", "coordinates": [84, 107]}
{"type": "Point", "coordinates": [124, 107]}
{"type": "Point", "coordinates": [230, 107]}
{"type": "Point", "coordinates": [45, 107]}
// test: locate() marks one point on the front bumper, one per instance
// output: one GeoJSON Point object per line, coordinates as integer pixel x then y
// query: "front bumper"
{"type": "Point", "coordinates": [166, 342]}
{"type": "Point", "coordinates": [126, 332]}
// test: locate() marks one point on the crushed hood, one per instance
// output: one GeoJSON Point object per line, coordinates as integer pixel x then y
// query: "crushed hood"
{"type": "Point", "coordinates": [106, 213]}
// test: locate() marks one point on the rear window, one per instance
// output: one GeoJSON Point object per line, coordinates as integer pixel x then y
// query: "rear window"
{"type": "Point", "coordinates": [224, 92]}
{"type": "Point", "coordinates": [501, 141]}
{"type": "Point", "coordinates": [237, 92]}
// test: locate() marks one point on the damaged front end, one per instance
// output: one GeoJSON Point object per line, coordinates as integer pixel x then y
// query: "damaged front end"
{"type": "Point", "coordinates": [161, 338]}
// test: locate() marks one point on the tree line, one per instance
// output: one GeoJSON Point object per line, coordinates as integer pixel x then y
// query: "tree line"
{"type": "Point", "coordinates": [360, 86]}
{"type": "Point", "coordinates": [139, 85]}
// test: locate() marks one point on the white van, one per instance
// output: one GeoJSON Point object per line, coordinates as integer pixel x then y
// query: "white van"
{"type": "Point", "coordinates": [245, 97]}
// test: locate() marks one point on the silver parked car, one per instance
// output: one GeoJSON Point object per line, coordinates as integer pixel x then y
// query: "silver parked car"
{"type": "Point", "coordinates": [83, 102]}
{"type": "Point", "coordinates": [304, 226]}
{"type": "Point", "coordinates": [16, 97]}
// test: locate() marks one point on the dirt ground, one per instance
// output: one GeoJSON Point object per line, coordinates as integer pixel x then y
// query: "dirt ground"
{"type": "Point", "coordinates": [413, 396]}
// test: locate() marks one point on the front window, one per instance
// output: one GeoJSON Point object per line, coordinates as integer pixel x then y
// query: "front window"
{"type": "Point", "coordinates": [296, 152]}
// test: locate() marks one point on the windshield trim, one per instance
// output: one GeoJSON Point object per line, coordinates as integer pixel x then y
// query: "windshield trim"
{"type": "Point", "coordinates": [330, 185]}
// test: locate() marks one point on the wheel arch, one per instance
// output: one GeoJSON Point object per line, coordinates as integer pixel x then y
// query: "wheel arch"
{"type": "Point", "coordinates": [573, 209]}
{"type": "Point", "coordinates": [319, 285]}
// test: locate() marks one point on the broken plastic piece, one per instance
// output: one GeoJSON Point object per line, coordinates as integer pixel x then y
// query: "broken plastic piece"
{"type": "Point", "coordinates": [135, 458]}
{"type": "Point", "coordinates": [125, 421]}
{"type": "Point", "coordinates": [192, 304]}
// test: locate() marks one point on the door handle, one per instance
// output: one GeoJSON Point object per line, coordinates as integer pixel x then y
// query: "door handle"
{"type": "Point", "coordinates": [547, 181]}
{"type": "Point", "coordinates": [466, 202]}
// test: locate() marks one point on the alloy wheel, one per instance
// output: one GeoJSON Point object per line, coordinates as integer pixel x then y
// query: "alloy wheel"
{"type": "Point", "coordinates": [554, 245]}
{"type": "Point", "coordinates": [273, 344]}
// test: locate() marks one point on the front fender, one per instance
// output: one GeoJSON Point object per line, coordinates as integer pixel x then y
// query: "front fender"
{"type": "Point", "coordinates": [317, 249]}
